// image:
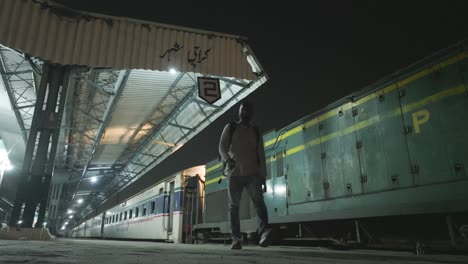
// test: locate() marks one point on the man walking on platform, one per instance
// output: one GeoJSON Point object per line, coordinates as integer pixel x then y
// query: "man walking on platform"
{"type": "Point", "coordinates": [241, 149]}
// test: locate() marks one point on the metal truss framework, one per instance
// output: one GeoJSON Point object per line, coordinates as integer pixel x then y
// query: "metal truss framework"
{"type": "Point", "coordinates": [96, 95]}
{"type": "Point", "coordinates": [18, 76]}
{"type": "Point", "coordinates": [92, 98]}
{"type": "Point", "coordinates": [146, 154]}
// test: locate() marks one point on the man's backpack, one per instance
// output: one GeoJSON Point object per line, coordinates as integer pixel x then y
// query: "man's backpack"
{"type": "Point", "coordinates": [232, 128]}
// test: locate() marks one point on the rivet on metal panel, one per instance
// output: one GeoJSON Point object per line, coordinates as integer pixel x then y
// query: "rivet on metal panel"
{"type": "Point", "coordinates": [402, 92]}
{"type": "Point", "coordinates": [359, 144]}
{"type": "Point", "coordinates": [381, 98]}
{"type": "Point", "coordinates": [324, 155]}
{"type": "Point", "coordinates": [355, 111]}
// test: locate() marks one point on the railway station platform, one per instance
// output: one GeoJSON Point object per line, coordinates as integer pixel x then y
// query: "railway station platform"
{"type": "Point", "coordinates": [66, 251]}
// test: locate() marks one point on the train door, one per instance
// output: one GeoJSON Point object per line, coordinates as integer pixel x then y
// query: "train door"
{"type": "Point", "coordinates": [349, 146]}
{"type": "Point", "coordinates": [279, 186]}
{"type": "Point", "coordinates": [424, 103]}
{"type": "Point", "coordinates": [170, 206]}
{"type": "Point", "coordinates": [103, 220]}
{"type": "Point", "coordinates": [295, 167]}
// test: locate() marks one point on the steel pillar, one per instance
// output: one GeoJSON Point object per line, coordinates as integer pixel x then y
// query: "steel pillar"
{"type": "Point", "coordinates": [39, 158]}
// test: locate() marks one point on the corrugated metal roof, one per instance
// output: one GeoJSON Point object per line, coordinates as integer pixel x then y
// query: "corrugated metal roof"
{"type": "Point", "coordinates": [60, 35]}
{"type": "Point", "coordinates": [144, 89]}
{"type": "Point", "coordinates": [127, 111]}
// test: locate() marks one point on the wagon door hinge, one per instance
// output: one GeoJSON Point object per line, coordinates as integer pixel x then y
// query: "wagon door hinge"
{"type": "Point", "coordinates": [363, 178]}
{"type": "Point", "coordinates": [407, 130]}
{"type": "Point", "coordinates": [381, 97]}
{"type": "Point", "coordinates": [359, 144]}
{"type": "Point", "coordinates": [326, 186]}
{"type": "Point", "coordinates": [414, 168]}
{"type": "Point", "coordinates": [402, 93]}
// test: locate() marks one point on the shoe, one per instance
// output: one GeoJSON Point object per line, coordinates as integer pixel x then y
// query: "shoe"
{"type": "Point", "coordinates": [265, 239]}
{"type": "Point", "coordinates": [236, 244]}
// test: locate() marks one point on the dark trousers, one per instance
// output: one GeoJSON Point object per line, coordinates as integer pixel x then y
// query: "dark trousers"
{"type": "Point", "coordinates": [254, 189]}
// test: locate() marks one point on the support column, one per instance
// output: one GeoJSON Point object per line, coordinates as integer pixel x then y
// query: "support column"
{"type": "Point", "coordinates": [39, 162]}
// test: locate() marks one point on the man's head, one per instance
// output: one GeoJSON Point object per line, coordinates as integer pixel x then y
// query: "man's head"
{"type": "Point", "coordinates": [246, 112]}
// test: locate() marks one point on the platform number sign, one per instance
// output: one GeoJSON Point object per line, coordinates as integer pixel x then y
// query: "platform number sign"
{"type": "Point", "coordinates": [208, 89]}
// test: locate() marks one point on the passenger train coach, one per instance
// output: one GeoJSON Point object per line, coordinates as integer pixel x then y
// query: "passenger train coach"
{"type": "Point", "coordinates": [153, 214]}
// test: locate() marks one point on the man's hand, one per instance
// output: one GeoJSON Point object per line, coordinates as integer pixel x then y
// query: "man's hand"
{"type": "Point", "coordinates": [264, 186]}
{"type": "Point", "coordinates": [230, 163]}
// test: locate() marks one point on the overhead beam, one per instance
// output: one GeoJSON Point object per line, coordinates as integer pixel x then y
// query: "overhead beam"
{"type": "Point", "coordinates": [106, 118]}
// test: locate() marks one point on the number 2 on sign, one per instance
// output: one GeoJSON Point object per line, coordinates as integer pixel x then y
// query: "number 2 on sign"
{"type": "Point", "coordinates": [210, 89]}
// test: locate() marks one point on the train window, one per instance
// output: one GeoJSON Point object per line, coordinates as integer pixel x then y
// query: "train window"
{"type": "Point", "coordinates": [153, 207]}
{"type": "Point", "coordinates": [161, 191]}
{"type": "Point", "coordinates": [144, 210]}
{"type": "Point", "coordinates": [113, 219]}
{"type": "Point", "coordinates": [136, 211]}
{"type": "Point", "coordinates": [121, 214]}
{"type": "Point", "coordinates": [125, 215]}
{"type": "Point", "coordinates": [130, 215]}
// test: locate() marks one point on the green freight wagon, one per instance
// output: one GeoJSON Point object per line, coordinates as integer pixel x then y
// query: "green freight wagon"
{"type": "Point", "coordinates": [392, 156]}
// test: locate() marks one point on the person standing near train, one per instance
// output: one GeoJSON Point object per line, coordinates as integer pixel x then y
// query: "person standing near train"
{"type": "Point", "coordinates": [243, 155]}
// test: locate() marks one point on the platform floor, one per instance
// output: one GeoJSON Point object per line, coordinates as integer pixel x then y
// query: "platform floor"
{"type": "Point", "coordinates": [115, 252]}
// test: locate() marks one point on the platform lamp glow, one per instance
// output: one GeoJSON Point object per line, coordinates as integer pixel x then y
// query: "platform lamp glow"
{"type": "Point", "coordinates": [4, 160]}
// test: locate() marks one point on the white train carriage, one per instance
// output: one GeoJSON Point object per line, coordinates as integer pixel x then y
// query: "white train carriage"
{"type": "Point", "coordinates": [93, 227]}
{"type": "Point", "coordinates": [79, 231]}
{"type": "Point", "coordinates": [154, 214]}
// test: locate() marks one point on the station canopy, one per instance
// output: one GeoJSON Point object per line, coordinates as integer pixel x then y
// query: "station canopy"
{"type": "Point", "coordinates": [133, 89]}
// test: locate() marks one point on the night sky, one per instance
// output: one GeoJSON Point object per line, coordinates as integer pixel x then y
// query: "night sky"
{"type": "Point", "coordinates": [314, 54]}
